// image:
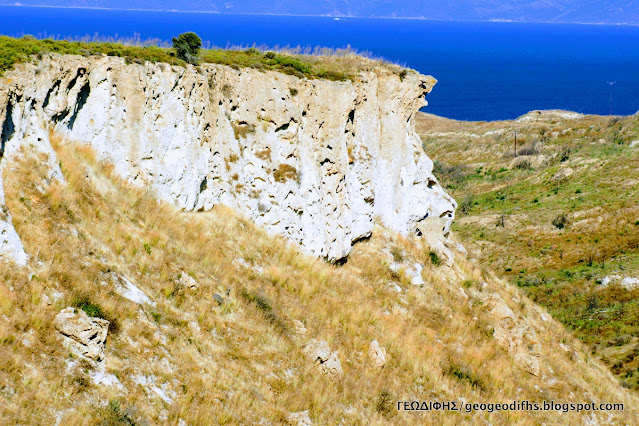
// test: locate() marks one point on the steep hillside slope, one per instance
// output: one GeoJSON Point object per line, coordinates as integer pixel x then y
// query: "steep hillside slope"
{"type": "Point", "coordinates": [561, 220]}
{"type": "Point", "coordinates": [220, 323]}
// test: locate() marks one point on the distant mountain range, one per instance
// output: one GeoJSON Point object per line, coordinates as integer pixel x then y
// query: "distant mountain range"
{"type": "Point", "coordinates": [577, 11]}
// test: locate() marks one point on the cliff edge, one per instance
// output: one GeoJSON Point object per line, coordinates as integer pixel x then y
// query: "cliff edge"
{"type": "Point", "coordinates": [315, 161]}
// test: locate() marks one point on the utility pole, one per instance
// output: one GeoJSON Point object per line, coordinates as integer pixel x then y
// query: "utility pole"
{"type": "Point", "coordinates": [611, 83]}
{"type": "Point", "coordinates": [515, 143]}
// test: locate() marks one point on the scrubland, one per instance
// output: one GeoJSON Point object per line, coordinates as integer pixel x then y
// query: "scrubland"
{"type": "Point", "coordinates": [555, 220]}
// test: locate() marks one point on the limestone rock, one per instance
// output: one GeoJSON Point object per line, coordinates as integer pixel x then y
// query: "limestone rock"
{"type": "Point", "coordinates": [414, 273]}
{"type": "Point", "coordinates": [81, 335]}
{"type": "Point", "coordinates": [187, 281]}
{"type": "Point", "coordinates": [299, 327]}
{"type": "Point", "coordinates": [564, 174]}
{"type": "Point", "coordinates": [319, 352]}
{"type": "Point", "coordinates": [377, 354]}
{"type": "Point", "coordinates": [125, 288]}
{"type": "Point", "coordinates": [608, 279]}
{"type": "Point", "coordinates": [634, 144]}
{"type": "Point", "coordinates": [300, 418]}
{"type": "Point", "coordinates": [317, 167]}
{"type": "Point", "coordinates": [630, 283]}
{"type": "Point", "coordinates": [514, 334]}
{"type": "Point", "coordinates": [543, 115]}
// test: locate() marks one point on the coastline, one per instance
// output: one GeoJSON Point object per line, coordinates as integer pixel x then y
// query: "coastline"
{"type": "Point", "coordinates": [331, 16]}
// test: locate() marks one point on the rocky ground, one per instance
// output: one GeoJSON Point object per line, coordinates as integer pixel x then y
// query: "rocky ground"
{"type": "Point", "coordinates": [560, 219]}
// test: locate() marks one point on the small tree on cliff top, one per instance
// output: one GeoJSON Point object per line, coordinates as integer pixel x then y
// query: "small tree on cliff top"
{"type": "Point", "coordinates": [187, 46]}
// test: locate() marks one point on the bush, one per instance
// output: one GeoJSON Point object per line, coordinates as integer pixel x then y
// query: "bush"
{"type": "Point", "coordinates": [464, 374]}
{"type": "Point", "coordinates": [90, 308]}
{"type": "Point", "coordinates": [452, 175]}
{"type": "Point", "coordinates": [523, 164]}
{"type": "Point", "coordinates": [384, 404]}
{"type": "Point", "coordinates": [434, 258]}
{"type": "Point", "coordinates": [466, 204]}
{"type": "Point", "coordinates": [265, 307]}
{"type": "Point", "coordinates": [560, 221]}
{"type": "Point", "coordinates": [187, 46]}
{"type": "Point", "coordinates": [530, 149]}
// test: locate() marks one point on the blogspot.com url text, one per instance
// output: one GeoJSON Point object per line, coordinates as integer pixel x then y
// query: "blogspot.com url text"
{"type": "Point", "coordinates": [468, 407]}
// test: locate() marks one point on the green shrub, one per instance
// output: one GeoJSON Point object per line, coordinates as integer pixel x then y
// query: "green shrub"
{"type": "Point", "coordinates": [187, 46]}
{"type": "Point", "coordinates": [434, 258]}
{"type": "Point", "coordinates": [93, 309]}
{"type": "Point", "coordinates": [265, 307]}
{"type": "Point", "coordinates": [90, 308]}
{"type": "Point", "coordinates": [464, 374]}
{"type": "Point", "coordinates": [466, 205]}
{"type": "Point", "coordinates": [560, 221]}
{"type": "Point", "coordinates": [384, 404]}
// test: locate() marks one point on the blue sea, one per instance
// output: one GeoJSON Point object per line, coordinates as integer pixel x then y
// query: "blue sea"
{"type": "Point", "coordinates": [486, 71]}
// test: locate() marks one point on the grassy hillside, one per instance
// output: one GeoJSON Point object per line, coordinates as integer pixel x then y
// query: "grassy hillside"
{"type": "Point", "coordinates": [327, 64]}
{"type": "Point", "coordinates": [229, 351]}
{"type": "Point", "coordinates": [556, 220]}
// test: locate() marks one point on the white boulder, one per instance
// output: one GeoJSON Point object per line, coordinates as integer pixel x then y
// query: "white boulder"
{"type": "Point", "coordinates": [82, 335]}
{"type": "Point", "coordinates": [377, 354]}
{"type": "Point", "coordinates": [319, 352]}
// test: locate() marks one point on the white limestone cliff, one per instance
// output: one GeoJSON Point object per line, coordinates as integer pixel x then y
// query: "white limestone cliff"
{"type": "Point", "coordinates": [315, 161]}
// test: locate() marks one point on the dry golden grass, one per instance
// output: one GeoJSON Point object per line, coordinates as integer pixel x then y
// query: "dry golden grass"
{"type": "Point", "coordinates": [242, 362]}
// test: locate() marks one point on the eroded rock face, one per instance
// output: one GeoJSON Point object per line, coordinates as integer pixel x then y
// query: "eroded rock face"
{"type": "Point", "coordinates": [313, 160]}
{"type": "Point", "coordinates": [514, 334]}
{"type": "Point", "coordinates": [82, 335]}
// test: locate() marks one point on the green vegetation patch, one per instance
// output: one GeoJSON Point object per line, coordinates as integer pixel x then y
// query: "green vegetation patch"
{"type": "Point", "coordinates": [25, 49]}
{"type": "Point", "coordinates": [93, 310]}
{"type": "Point", "coordinates": [22, 50]}
{"type": "Point", "coordinates": [556, 219]}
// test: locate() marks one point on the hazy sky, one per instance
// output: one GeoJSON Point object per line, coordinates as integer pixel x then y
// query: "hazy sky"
{"type": "Point", "coordinates": [582, 11]}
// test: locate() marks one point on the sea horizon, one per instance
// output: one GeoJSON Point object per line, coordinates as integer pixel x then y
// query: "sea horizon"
{"type": "Point", "coordinates": [418, 18]}
{"type": "Point", "coordinates": [486, 70]}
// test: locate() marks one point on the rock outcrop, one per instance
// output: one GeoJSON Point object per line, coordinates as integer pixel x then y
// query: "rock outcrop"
{"type": "Point", "coordinates": [514, 334]}
{"type": "Point", "coordinates": [300, 418]}
{"type": "Point", "coordinates": [82, 335]}
{"type": "Point", "coordinates": [125, 288]}
{"type": "Point", "coordinates": [377, 354]}
{"type": "Point", "coordinates": [315, 161]}
{"type": "Point", "coordinates": [326, 361]}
